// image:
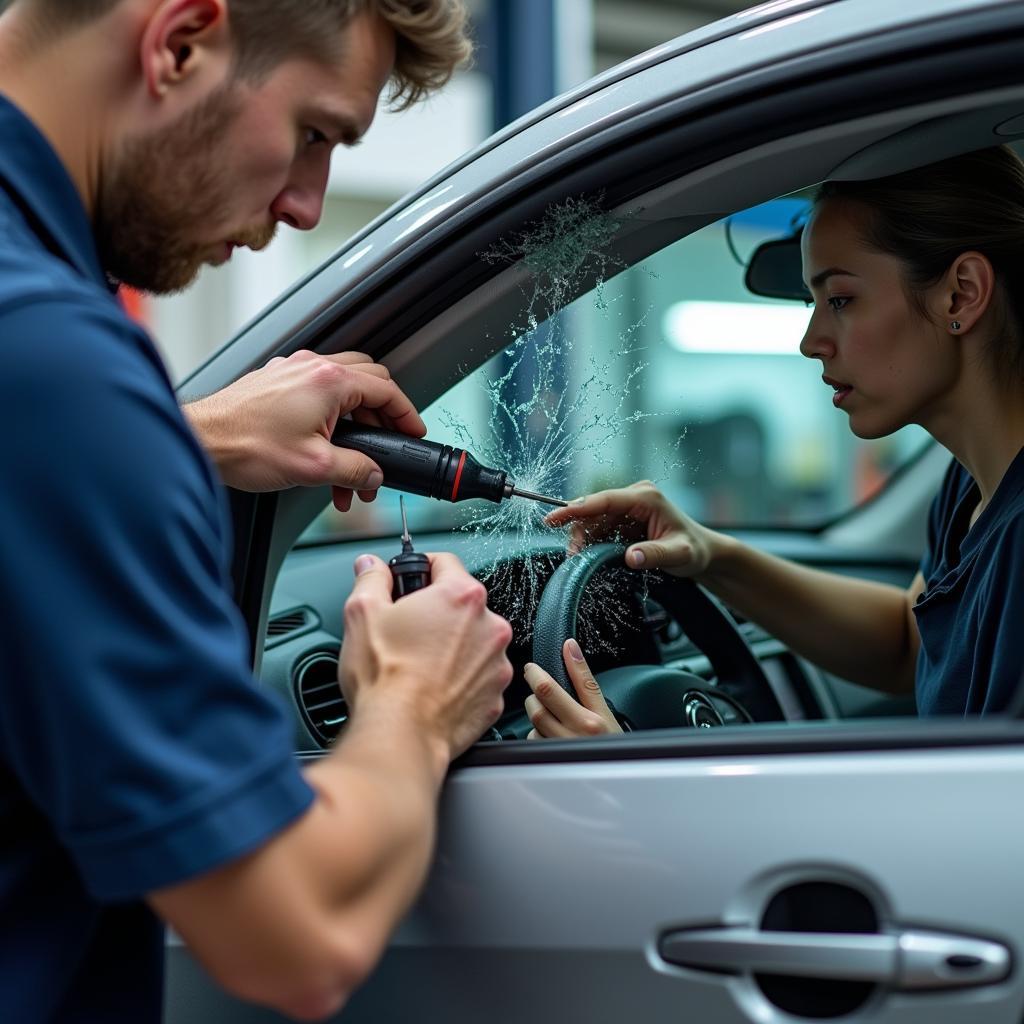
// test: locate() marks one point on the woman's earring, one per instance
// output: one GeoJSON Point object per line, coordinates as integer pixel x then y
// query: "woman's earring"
{"type": "Point", "coordinates": [955, 325]}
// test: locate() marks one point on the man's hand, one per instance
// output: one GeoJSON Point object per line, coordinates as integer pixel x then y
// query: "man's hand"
{"type": "Point", "coordinates": [272, 428]}
{"type": "Point", "coordinates": [301, 920]}
{"type": "Point", "coordinates": [437, 654]}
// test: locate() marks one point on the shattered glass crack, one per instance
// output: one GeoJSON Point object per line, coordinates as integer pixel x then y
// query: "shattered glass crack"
{"type": "Point", "coordinates": [552, 401]}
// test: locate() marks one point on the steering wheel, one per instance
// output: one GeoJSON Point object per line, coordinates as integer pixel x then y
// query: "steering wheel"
{"type": "Point", "coordinates": [656, 696]}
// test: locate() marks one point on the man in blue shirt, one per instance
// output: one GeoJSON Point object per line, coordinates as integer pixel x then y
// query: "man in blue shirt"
{"type": "Point", "coordinates": [143, 778]}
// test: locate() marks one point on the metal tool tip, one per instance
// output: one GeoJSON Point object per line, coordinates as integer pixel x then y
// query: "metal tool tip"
{"type": "Point", "coordinates": [519, 493]}
{"type": "Point", "coordinates": [405, 522]}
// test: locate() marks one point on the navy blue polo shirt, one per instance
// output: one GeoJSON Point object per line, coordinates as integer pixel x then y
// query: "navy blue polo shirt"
{"type": "Point", "coordinates": [970, 616]}
{"type": "Point", "coordinates": [135, 751]}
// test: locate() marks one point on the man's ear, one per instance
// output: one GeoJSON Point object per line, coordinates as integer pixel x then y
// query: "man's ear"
{"type": "Point", "coordinates": [178, 39]}
{"type": "Point", "coordinates": [966, 292]}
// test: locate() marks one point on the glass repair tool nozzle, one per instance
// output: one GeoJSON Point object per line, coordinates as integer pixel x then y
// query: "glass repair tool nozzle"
{"type": "Point", "coordinates": [410, 570]}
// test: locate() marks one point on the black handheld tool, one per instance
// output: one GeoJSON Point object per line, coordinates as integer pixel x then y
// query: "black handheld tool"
{"type": "Point", "coordinates": [410, 570]}
{"type": "Point", "coordinates": [431, 469]}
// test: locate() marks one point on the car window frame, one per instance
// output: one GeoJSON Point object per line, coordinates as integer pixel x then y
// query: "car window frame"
{"type": "Point", "coordinates": [266, 526]}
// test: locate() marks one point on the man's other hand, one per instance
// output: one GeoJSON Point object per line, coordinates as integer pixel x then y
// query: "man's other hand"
{"type": "Point", "coordinates": [272, 428]}
{"type": "Point", "coordinates": [438, 654]}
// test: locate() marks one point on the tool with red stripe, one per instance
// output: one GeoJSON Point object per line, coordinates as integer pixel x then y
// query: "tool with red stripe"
{"type": "Point", "coordinates": [431, 469]}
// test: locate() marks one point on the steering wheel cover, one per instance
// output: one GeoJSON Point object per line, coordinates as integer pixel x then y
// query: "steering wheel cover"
{"type": "Point", "coordinates": [706, 622]}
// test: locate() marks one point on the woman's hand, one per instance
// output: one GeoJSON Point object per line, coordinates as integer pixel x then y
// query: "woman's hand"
{"type": "Point", "coordinates": [554, 714]}
{"type": "Point", "coordinates": [668, 539]}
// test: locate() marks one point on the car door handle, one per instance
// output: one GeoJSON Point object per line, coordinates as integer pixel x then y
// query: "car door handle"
{"type": "Point", "coordinates": [903, 960]}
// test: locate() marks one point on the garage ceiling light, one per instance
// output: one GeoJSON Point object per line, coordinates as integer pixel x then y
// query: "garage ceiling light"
{"type": "Point", "coordinates": [735, 327]}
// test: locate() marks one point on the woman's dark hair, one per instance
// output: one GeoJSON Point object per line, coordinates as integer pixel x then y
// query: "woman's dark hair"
{"type": "Point", "coordinates": [929, 216]}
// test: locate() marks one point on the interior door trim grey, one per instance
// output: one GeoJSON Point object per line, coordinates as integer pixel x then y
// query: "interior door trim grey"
{"type": "Point", "coordinates": [905, 961]}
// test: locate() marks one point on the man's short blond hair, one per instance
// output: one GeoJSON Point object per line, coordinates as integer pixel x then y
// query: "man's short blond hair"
{"type": "Point", "coordinates": [431, 35]}
{"type": "Point", "coordinates": [432, 42]}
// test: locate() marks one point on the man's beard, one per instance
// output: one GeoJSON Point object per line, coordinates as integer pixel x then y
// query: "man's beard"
{"type": "Point", "coordinates": [162, 192]}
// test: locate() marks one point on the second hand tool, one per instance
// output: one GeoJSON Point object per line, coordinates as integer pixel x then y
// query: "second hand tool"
{"type": "Point", "coordinates": [410, 570]}
{"type": "Point", "coordinates": [431, 469]}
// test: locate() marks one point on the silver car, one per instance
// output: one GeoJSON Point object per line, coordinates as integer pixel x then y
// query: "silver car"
{"type": "Point", "coordinates": [572, 302]}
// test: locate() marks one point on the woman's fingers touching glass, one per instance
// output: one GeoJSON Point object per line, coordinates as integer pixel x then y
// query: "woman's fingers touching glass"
{"type": "Point", "coordinates": [606, 506]}
{"type": "Point", "coordinates": [658, 535]}
{"type": "Point", "coordinates": [626, 514]}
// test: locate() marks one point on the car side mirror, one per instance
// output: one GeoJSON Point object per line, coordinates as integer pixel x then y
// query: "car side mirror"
{"type": "Point", "coordinates": [775, 270]}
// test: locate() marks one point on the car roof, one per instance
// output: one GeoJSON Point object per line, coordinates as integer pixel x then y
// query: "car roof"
{"type": "Point", "coordinates": [788, 20]}
{"type": "Point", "coordinates": [743, 21]}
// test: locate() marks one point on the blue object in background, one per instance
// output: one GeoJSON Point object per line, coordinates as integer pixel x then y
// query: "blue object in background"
{"type": "Point", "coordinates": [518, 49]}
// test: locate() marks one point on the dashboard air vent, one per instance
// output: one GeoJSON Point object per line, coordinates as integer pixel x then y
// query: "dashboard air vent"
{"type": "Point", "coordinates": [318, 694]}
{"type": "Point", "coordinates": [296, 620]}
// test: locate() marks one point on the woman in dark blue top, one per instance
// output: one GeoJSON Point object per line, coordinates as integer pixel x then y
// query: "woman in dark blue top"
{"type": "Point", "coordinates": [917, 285]}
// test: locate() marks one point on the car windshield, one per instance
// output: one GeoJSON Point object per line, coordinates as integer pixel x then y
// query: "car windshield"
{"type": "Point", "coordinates": [670, 370]}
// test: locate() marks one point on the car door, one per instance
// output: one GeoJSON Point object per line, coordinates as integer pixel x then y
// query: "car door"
{"type": "Point", "coordinates": [731, 881]}
{"type": "Point", "coordinates": [806, 870]}
{"type": "Point", "coordinates": [728, 879]}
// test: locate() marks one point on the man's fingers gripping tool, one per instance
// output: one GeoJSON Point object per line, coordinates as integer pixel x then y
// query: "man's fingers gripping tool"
{"type": "Point", "coordinates": [434, 470]}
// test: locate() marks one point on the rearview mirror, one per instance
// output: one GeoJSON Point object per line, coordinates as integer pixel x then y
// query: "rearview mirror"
{"type": "Point", "coordinates": [775, 270]}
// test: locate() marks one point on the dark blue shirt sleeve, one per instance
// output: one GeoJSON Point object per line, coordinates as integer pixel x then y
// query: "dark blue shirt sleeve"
{"type": "Point", "coordinates": [127, 710]}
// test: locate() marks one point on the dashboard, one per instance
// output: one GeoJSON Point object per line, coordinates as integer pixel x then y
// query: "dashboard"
{"type": "Point", "coordinates": [622, 626]}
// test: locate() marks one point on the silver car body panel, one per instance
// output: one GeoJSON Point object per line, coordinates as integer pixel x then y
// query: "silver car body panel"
{"type": "Point", "coordinates": [554, 882]}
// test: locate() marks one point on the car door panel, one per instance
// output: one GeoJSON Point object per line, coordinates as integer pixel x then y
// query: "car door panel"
{"type": "Point", "coordinates": [566, 862]}
{"type": "Point", "coordinates": [554, 882]}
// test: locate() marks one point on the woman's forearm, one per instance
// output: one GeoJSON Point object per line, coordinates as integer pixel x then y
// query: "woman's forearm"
{"type": "Point", "coordinates": [858, 629]}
